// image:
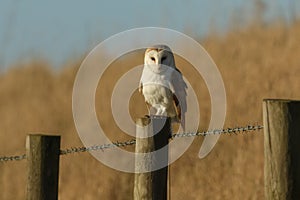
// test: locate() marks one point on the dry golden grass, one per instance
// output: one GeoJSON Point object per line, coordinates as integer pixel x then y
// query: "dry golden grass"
{"type": "Point", "coordinates": [255, 63]}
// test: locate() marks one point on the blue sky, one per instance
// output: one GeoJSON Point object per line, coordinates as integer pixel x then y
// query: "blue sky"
{"type": "Point", "coordinates": [60, 30]}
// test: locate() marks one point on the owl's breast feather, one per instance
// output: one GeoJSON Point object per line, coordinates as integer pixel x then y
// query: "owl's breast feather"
{"type": "Point", "coordinates": [149, 77]}
{"type": "Point", "coordinates": [157, 94]}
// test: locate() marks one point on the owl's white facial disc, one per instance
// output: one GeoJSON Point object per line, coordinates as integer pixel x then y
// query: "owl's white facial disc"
{"type": "Point", "coordinates": [158, 60]}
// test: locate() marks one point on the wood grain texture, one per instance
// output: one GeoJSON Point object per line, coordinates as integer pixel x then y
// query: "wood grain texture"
{"type": "Point", "coordinates": [43, 167]}
{"type": "Point", "coordinates": [150, 183]}
{"type": "Point", "coordinates": [282, 149]}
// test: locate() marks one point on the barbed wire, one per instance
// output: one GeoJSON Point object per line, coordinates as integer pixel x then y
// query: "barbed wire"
{"type": "Point", "coordinates": [229, 131]}
{"type": "Point", "coordinates": [12, 158]}
{"type": "Point", "coordinates": [102, 147]}
{"type": "Point", "coordinates": [97, 147]}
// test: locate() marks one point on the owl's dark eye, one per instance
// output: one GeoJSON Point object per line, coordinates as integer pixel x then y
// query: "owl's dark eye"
{"type": "Point", "coordinates": [163, 59]}
{"type": "Point", "coordinates": [153, 59]}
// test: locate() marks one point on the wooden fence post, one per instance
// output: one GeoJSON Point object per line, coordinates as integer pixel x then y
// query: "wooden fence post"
{"type": "Point", "coordinates": [151, 185]}
{"type": "Point", "coordinates": [282, 149]}
{"type": "Point", "coordinates": [42, 154]}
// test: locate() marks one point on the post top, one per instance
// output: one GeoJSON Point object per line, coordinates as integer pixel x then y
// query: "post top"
{"type": "Point", "coordinates": [144, 121]}
{"type": "Point", "coordinates": [281, 100]}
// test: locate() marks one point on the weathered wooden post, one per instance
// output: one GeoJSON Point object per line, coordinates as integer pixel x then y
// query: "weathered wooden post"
{"type": "Point", "coordinates": [151, 135]}
{"type": "Point", "coordinates": [282, 149]}
{"type": "Point", "coordinates": [42, 154]}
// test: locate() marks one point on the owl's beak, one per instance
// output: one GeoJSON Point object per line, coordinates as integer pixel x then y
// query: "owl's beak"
{"type": "Point", "coordinates": [160, 66]}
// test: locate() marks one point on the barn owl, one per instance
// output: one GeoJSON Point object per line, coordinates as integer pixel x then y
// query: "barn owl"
{"type": "Point", "coordinates": [162, 84]}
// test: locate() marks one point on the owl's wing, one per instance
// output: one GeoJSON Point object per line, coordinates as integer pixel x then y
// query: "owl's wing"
{"type": "Point", "coordinates": [179, 87]}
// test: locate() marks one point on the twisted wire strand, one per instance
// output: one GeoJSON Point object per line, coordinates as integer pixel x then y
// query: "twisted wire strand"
{"type": "Point", "coordinates": [12, 158]}
{"type": "Point", "coordinates": [228, 131]}
{"type": "Point", "coordinates": [102, 147]}
{"type": "Point", "coordinates": [97, 147]}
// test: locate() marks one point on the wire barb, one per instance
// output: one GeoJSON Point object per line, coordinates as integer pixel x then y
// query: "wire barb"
{"type": "Point", "coordinates": [228, 131]}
